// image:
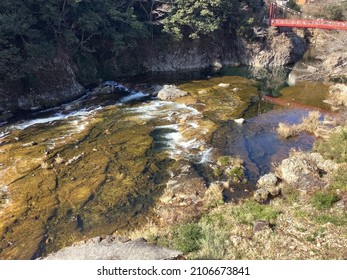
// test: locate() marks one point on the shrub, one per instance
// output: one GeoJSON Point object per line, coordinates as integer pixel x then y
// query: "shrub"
{"type": "Point", "coordinates": [335, 147]}
{"type": "Point", "coordinates": [187, 237]}
{"type": "Point", "coordinates": [286, 131]}
{"type": "Point", "coordinates": [324, 200]}
{"type": "Point", "coordinates": [213, 242]}
{"type": "Point", "coordinates": [224, 160]}
{"type": "Point", "coordinates": [340, 179]}
{"type": "Point", "coordinates": [214, 195]}
{"type": "Point", "coordinates": [311, 122]}
{"type": "Point", "coordinates": [337, 220]}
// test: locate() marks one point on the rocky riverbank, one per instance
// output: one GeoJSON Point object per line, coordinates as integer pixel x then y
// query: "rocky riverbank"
{"type": "Point", "coordinates": [98, 166]}
{"type": "Point", "coordinates": [60, 80]}
{"type": "Point", "coordinates": [325, 60]}
{"type": "Point", "coordinates": [297, 213]}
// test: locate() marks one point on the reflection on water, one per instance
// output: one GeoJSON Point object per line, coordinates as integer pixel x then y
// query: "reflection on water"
{"type": "Point", "coordinates": [257, 141]}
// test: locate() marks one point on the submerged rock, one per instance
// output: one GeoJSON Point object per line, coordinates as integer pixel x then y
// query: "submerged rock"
{"type": "Point", "coordinates": [171, 92]}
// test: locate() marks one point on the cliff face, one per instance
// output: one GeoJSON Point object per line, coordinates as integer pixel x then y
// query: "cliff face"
{"type": "Point", "coordinates": [278, 49]}
{"type": "Point", "coordinates": [326, 60]}
{"type": "Point", "coordinates": [56, 82]}
{"type": "Point", "coordinates": [281, 49]}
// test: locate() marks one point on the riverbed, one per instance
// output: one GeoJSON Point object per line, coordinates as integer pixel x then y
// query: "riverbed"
{"type": "Point", "coordinates": [98, 165]}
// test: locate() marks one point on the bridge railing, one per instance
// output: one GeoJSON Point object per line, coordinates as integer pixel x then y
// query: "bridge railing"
{"type": "Point", "coordinates": [304, 23]}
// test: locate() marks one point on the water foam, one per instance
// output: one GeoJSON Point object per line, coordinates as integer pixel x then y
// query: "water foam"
{"type": "Point", "coordinates": [171, 136]}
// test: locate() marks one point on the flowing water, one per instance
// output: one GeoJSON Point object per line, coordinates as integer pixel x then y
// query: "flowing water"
{"type": "Point", "coordinates": [97, 165]}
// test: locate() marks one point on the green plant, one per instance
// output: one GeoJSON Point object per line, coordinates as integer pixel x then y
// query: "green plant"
{"type": "Point", "coordinates": [213, 242]}
{"type": "Point", "coordinates": [293, 5]}
{"type": "Point", "coordinates": [324, 200]}
{"type": "Point", "coordinates": [217, 171]}
{"type": "Point", "coordinates": [337, 220]}
{"type": "Point", "coordinates": [318, 233]}
{"type": "Point", "coordinates": [290, 194]}
{"type": "Point", "coordinates": [224, 161]}
{"type": "Point", "coordinates": [251, 211]}
{"type": "Point", "coordinates": [298, 213]}
{"type": "Point", "coordinates": [187, 237]}
{"type": "Point", "coordinates": [335, 147]}
{"type": "Point", "coordinates": [236, 172]}
{"type": "Point", "coordinates": [340, 179]}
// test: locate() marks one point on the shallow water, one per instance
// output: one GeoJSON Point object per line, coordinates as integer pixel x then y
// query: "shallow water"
{"type": "Point", "coordinates": [97, 165]}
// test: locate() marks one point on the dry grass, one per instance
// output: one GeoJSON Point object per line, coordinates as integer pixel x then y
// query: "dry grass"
{"type": "Point", "coordinates": [286, 131]}
{"type": "Point", "coordinates": [311, 124]}
{"type": "Point", "coordinates": [214, 195]}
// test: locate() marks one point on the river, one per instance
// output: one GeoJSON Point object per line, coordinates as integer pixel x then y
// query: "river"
{"type": "Point", "coordinates": [98, 165]}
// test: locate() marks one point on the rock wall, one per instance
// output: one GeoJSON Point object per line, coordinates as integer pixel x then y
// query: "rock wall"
{"type": "Point", "coordinates": [278, 49]}
{"type": "Point", "coordinates": [56, 82]}
{"type": "Point", "coordinates": [281, 49]}
{"type": "Point", "coordinates": [325, 60]}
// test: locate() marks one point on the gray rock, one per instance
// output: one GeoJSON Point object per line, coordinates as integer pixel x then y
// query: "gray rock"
{"type": "Point", "coordinates": [113, 248]}
{"type": "Point", "coordinates": [170, 92]}
{"type": "Point", "coordinates": [274, 191]}
{"type": "Point", "coordinates": [267, 180]}
{"type": "Point", "coordinates": [260, 225]}
{"type": "Point", "coordinates": [306, 170]}
{"type": "Point", "coordinates": [261, 195]}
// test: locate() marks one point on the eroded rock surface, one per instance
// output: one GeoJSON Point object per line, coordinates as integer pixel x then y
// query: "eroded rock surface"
{"type": "Point", "coordinates": [306, 170]}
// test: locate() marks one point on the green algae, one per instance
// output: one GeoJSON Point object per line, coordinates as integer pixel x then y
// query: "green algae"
{"type": "Point", "coordinates": [221, 98]}
{"type": "Point", "coordinates": [102, 183]}
{"type": "Point", "coordinates": [108, 175]}
{"type": "Point", "coordinates": [307, 93]}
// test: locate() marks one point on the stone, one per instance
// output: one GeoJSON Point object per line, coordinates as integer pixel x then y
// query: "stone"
{"type": "Point", "coordinates": [260, 225]}
{"type": "Point", "coordinates": [261, 195]}
{"type": "Point", "coordinates": [239, 121]}
{"type": "Point", "coordinates": [305, 171]}
{"type": "Point", "coordinates": [267, 180]}
{"type": "Point", "coordinates": [274, 191]}
{"type": "Point", "coordinates": [202, 91]}
{"type": "Point", "coordinates": [223, 85]}
{"type": "Point", "coordinates": [30, 144]}
{"type": "Point", "coordinates": [171, 92]}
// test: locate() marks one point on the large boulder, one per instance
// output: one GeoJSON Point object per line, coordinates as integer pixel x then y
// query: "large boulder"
{"type": "Point", "coordinates": [306, 170]}
{"type": "Point", "coordinates": [171, 92]}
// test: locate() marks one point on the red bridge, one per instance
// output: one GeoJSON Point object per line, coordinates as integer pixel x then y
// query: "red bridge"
{"type": "Point", "coordinates": [303, 23]}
